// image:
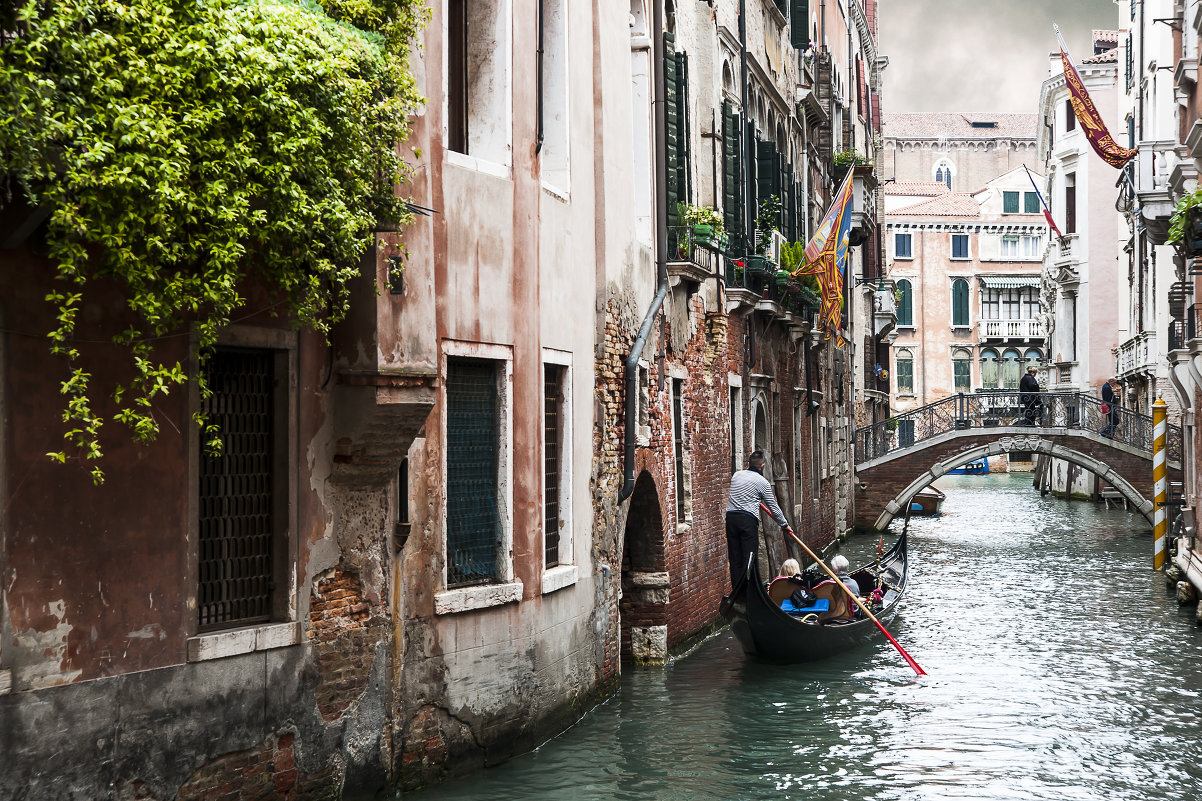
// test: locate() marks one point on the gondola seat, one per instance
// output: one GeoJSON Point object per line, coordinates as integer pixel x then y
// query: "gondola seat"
{"type": "Point", "coordinates": [837, 599]}
{"type": "Point", "coordinates": [782, 587]}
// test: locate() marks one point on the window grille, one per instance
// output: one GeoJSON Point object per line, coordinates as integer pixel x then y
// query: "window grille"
{"type": "Point", "coordinates": [678, 445]}
{"type": "Point", "coordinates": [473, 516]}
{"type": "Point", "coordinates": [552, 445]}
{"type": "Point", "coordinates": [237, 516]}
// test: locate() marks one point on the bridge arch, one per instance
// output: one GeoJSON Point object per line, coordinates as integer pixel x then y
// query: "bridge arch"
{"type": "Point", "coordinates": [1006, 444]}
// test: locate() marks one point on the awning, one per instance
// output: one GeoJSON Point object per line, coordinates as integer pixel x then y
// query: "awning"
{"type": "Point", "coordinates": [1009, 281]}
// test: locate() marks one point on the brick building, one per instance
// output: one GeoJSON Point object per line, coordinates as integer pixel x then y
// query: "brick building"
{"type": "Point", "coordinates": [506, 473]}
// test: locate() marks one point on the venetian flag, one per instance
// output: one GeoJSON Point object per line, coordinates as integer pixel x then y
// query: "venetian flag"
{"type": "Point", "coordinates": [1047, 213]}
{"type": "Point", "coordinates": [826, 257]}
{"type": "Point", "coordinates": [1087, 114]}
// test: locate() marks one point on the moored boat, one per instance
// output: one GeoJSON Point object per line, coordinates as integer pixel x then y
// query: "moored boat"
{"type": "Point", "coordinates": [767, 631]}
{"type": "Point", "coordinates": [927, 501]}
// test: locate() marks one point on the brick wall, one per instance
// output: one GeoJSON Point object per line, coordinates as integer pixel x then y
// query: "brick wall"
{"type": "Point", "coordinates": [267, 771]}
{"type": "Point", "coordinates": [341, 630]}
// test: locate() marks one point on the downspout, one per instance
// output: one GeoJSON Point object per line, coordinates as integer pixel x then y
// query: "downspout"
{"type": "Point", "coordinates": [749, 212]}
{"type": "Point", "coordinates": [538, 73]}
{"type": "Point", "coordinates": [661, 249]}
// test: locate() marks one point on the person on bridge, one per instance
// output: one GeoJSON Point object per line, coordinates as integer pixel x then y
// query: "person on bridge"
{"type": "Point", "coordinates": [1110, 407]}
{"type": "Point", "coordinates": [1028, 396]}
{"type": "Point", "coordinates": [748, 489]}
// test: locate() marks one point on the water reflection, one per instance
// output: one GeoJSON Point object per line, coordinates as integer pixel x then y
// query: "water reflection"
{"type": "Point", "coordinates": [1059, 668]}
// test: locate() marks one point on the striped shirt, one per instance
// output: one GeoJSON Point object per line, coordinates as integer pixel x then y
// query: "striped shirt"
{"type": "Point", "coordinates": [748, 489]}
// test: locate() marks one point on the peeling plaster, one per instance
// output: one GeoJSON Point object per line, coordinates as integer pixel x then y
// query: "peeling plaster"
{"type": "Point", "coordinates": [49, 648]}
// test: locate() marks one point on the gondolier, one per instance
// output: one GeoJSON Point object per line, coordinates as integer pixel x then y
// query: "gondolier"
{"type": "Point", "coordinates": [748, 489]}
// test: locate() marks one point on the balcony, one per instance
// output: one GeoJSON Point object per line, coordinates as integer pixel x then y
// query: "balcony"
{"type": "Point", "coordinates": [884, 310]}
{"type": "Point", "coordinates": [1185, 328]}
{"type": "Point", "coordinates": [1154, 163]}
{"type": "Point", "coordinates": [1139, 353]}
{"type": "Point", "coordinates": [863, 204]}
{"type": "Point", "coordinates": [692, 257]}
{"type": "Point", "coordinates": [1024, 330]}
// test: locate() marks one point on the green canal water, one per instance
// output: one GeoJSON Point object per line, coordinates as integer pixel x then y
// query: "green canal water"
{"type": "Point", "coordinates": [1060, 667]}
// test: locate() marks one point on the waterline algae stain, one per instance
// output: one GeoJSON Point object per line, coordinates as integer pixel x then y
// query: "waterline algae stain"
{"type": "Point", "coordinates": [1060, 667]}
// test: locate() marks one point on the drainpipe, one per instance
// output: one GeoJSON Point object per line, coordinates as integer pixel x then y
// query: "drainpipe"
{"type": "Point", "coordinates": [538, 73]}
{"type": "Point", "coordinates": [661, 248]}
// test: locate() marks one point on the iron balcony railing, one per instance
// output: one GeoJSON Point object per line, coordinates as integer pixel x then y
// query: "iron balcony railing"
{"type": "Point", "coordinates": [986, 410]}
{"type": "Point", "coordinates": [1182, 331]}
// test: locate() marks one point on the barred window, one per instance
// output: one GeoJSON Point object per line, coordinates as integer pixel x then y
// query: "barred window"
{"type": "Point", "coordinates": [553, 454]}
{"type": "Point", "coordinates": [242, 503]}
{"type": "Point", "coordinates": [473, 477]}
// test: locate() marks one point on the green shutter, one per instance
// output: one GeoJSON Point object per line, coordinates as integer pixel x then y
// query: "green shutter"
{"type": "Point", "coordinates": [673, 128]}
{"type": "Point", "coordinates": [1010, 202]}
{"type": "Point", "coordinates": [732, 177]}
{"type": "Point", "coordinates": [799, 24]}
{"type": "Point", "coordinates": [1031, 203]}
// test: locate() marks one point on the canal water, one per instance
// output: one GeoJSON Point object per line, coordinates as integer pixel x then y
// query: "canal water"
{"type": "Point", "coordinates": [1060, 667]}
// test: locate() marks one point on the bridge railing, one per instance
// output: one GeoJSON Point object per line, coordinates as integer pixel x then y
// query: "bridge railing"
{"type": "Point", "coordinates": [985, 410]}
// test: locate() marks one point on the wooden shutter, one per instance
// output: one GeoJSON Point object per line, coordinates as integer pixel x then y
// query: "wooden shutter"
{"type": "Point", "coordinates": [674, 129]}
{"type": "Point", "coordinates": [799, 23]}
{"type": "Point", "coordinates": [732, 177]}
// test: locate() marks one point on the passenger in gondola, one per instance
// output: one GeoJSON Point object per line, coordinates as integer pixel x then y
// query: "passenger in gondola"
{"type": "Point", "coordinates": [841, 568]}
{"type": "Point", "coordinates": [789, 569]}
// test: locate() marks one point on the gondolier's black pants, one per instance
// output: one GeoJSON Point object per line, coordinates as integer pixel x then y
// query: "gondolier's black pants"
{"type": "Point", "coordinates": [742, 537]}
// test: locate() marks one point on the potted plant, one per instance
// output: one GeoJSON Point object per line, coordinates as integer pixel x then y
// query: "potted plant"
{"type": "Point", "coordinates": [844, 160]}
{"type": "Point", "coordinates": [1185, 226]}
{"type": "Point", "coordinates": [810, 293]}
{"type": "Point", "coordinates": [706, 223]}
{"type": "Point", "coordinates": [765, 223]}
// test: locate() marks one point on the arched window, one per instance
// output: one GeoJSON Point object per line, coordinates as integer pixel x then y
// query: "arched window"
{"type": "Point", "coordinates": [1011, 369]}
{"type": "Point", "coordinates": [905, 303]}
{"type": "Point", "coordinates": [905, 372]}
{"type": "Point", "coordinates": [989, 369]}
{"type": "Point", "coordinates": [943, 173]}
{"type": "Point", "coordinates": [959, 302]}
{"type": "Point", "coordinates": [962, 369]}
{"type": "Point", "coordinates": [1033, 358]}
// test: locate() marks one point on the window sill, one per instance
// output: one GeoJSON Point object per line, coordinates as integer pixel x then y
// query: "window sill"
{"type": "Point", "coordinates": [467, 599]}
{"type": "Point", "coordinates": [562, 195]}
{"type": "Point", "coordinates": [477, 164]}
{"type": "Point", "coordinates": [220, 644]}
{"type": "Point", "coordinates": [558, 577]}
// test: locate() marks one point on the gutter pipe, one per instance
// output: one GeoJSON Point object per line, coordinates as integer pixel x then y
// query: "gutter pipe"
{"type": "Point", "coordinates": [661, 249]}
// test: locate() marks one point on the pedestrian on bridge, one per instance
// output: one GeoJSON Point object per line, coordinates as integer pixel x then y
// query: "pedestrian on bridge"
{"type": "Point", "coordinates": [1028, 396]}
{"type": "Point", "coordinates": [748, 489]}
{"type": "Point", "coordinates": [1110, 407]}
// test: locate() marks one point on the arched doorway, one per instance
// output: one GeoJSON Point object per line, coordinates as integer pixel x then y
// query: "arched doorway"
{"type": "Point", "coordinates": [645, 581]}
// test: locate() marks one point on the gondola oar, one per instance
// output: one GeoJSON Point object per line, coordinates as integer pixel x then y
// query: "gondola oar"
{"type": "Point", "coordinates": [909, 659]}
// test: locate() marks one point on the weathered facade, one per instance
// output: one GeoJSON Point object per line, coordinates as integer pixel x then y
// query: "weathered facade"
{"type": "Point", "coordinates": [507, 472]}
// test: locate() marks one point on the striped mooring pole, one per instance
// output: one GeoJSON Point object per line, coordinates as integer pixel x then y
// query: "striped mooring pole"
{"type": "Point", "coordinates": [1160, 483]}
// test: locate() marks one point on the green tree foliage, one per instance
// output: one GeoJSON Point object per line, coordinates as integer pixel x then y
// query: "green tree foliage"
{"type": "Point", "coordinates": [186, 147]}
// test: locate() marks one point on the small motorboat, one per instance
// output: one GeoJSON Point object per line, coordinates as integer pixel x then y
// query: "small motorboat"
{"type": "Point", "coordinates": [767, 631]}
{"type": "Point", "coordinates": [976, 467]}
{"type": "Point", "coordinates": [927, 502]}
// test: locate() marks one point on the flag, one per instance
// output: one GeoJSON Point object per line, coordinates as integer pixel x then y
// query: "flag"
{"type": "Point", "coordinates": [1087, 114]}
{"type": "Point", "coordinates": [1047, 213]}
{"type": "Point", "coordinates": [826, 257]}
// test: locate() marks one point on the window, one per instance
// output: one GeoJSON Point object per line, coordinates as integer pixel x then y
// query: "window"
{"type": "Point", "coordinates": [1033, 358]}
{"type": "Point", "coordinates": [243, 497]}
{"type": "Point", "coordinates": [1010, 202]}
{"type": "Point", "coordinates": [678, 449]}
{"type": "Point", "coordinates": [989, 369]}
{"type": "Point", "coordinates": [1009, 247]}
{"type": "Point", "coordinates": [1029, 247]}
{"type": "Point", "coordinates": [1030, 303]}
{"type": "Point", "coordinates": [736, 424]}
{"type": "Point", "coordinates": [553, 100]}
{"type": "Point", "coordinates": [799, 23]}
{"type": "Point", "coordinates": [905, 372]}
{"type": "Point", "coordinates": [474, 532]}
{"type": "Point", "coordinates": [1012, 303]}
{"type": "Point", "coordinates": [901, 246]}
{"type": "Point", "coordinates": [962, 369]}
{"type": "Point", "coordinates": [1070, 116]}
{"type": "Point", "coordinates": [1011, 369]}
{"type": "Point", "coordinates": [1070, 203]}
{"type": "Point", "coordinates": [1030, 202]}
{"type": "Point", "coordinates": [478, 79]}
{"type": "Point", "coordinates": [905, 304]}
{"type": "Point", "coordinates": [960, 303]}
{"type": "Point", "coordinates": [959, 246]}
{"type": "Point", "coordinates": [943, 173]}
{"type": "Point", "coordinates": [555, 452]}
{"type": "Point", "coordinates": [732, 176]}
{"type": "Point", "coordinates": [676, 119]}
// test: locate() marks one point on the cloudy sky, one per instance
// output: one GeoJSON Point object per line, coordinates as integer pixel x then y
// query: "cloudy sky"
{"type": "Point", "coordinates": [979, 55]}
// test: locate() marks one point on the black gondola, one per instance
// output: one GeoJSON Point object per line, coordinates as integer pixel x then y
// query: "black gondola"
{"type": "Point", "coordinates": [772, 634]}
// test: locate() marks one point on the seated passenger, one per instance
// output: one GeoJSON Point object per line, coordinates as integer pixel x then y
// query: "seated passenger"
{"type": "Point", "coordinates": [842, 569]}
{"type": "Point", "coordinates": [789, 569]}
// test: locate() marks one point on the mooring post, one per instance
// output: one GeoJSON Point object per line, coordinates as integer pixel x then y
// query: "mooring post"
{"type": "Point", "coordinates": [1160, 482]}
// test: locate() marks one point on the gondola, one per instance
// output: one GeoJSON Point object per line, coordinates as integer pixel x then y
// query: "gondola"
{"type": "Point", "coordinates": [769, 633]}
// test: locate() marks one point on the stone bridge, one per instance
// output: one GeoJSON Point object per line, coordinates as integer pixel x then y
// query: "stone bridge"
{"type": "Point", "coordinates": [898, 457]}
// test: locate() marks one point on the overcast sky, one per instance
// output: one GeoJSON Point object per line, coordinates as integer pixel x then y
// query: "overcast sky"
{"type": "Point", "coordinates": [979, 55]}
